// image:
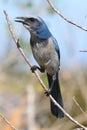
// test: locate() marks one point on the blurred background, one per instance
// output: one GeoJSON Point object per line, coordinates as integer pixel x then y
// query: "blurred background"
{"type": "Point", "coordinates": [22, 99]}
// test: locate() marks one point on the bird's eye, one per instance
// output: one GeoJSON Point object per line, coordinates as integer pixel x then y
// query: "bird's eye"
{"type": "Point", "coordinates": [32, 19]}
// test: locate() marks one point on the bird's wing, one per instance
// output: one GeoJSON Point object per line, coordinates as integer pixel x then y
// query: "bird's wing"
{"type": "Point", "coordinates": [56, 46]}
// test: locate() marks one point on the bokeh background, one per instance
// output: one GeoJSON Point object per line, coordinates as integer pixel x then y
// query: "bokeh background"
{"type": "Point", "coordinates": [22, 99]}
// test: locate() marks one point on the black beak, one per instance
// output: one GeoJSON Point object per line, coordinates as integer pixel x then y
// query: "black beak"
{"type": "Point", "coordinates": [21, 20]}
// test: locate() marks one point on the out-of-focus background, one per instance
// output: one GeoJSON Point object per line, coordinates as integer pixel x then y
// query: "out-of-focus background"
{"type": "Point", "coordinates": [22, 99]}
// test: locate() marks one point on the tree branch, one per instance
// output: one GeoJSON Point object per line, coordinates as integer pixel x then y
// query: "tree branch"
{"type": "Point", "coordinates": [74, 99]}
{"type": "Point", "coordinates": [83, 50]}
{"type": "Point", "coordinates": [7, 122]}
{"type": "Point", "coordinates": [62, 16]}
{"type": "Point", "coordinates": [37, 75]}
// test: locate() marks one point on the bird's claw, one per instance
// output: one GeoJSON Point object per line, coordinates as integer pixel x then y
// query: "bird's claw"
{"type": "Point", "coordinates": [48, 92]}
{"type": "Point", "coordinates": [33, 68]}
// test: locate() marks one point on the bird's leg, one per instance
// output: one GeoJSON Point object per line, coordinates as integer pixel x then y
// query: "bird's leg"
{"type": "Point", "coordinates": [51, 87]}
{"type": "Point", "coordinates": [35, 67]}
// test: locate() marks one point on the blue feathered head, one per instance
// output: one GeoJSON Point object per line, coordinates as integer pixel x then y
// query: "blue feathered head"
{"type": "Point", "coordinates": [36, 26]}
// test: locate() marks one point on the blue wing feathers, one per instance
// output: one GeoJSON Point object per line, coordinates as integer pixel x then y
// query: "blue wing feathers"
{"type": "Point", "coordinates": [56, 46]}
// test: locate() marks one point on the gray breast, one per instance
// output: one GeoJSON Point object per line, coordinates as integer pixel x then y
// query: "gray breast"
{"type": "Point", "coordinates": [46, 56]}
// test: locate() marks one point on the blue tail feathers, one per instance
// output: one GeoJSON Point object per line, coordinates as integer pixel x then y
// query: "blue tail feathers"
{"type": "Point", "coordinates": [56, 93]}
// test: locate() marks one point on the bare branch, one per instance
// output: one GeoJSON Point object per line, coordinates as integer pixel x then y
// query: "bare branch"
{"type": "Point", "coordinates": [78, 129]}
{"type": "Point", "coordinates": [7, 122]}
{"type": "Point", "coordinates": [83, 50]}
{"type": "Point", "coordinates": [66, 19]}
{"type": "Point", "coordinates": [37, 75]}
{"type": "Point", "coordinates": [74, 99]}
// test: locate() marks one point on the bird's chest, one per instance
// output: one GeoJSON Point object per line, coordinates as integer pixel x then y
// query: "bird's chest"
{"type": "Point", "coordinates": [46, 56]}
{"type": "Point", "coordinates": [41, 53]}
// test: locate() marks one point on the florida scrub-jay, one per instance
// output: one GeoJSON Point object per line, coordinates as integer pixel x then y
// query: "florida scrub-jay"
{"type": "Point", "coordinates": [46, 52]}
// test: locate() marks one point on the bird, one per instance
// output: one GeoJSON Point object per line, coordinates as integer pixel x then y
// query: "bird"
{"type": "Point", "coordinates": [46, 52]}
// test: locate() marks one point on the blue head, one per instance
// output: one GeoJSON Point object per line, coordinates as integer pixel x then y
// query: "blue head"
{"type": "Point", "coordinates": [36, 26]}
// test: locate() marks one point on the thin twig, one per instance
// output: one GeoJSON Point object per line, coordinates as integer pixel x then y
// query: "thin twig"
{"type": "Point", "coordinates": [83, 50]}
{"type": "Point", "coordinates": [62, 16]}
{"type": "Point", "coordinates": [78, 129]}
{"type": "Point", "coordinates": [74, 99]}
{"type": "Point", "coordinates": [37, 75]}
{"type": "Point", "coordinates": [7, 122]}
{"type": "Point", "coordinates": [66, 19]}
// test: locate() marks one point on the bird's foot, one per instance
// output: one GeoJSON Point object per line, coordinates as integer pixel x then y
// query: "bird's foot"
{"type": "Point", "coordinates": [48, 92]}
{"type": "Point", "coordinates": [33, 68]}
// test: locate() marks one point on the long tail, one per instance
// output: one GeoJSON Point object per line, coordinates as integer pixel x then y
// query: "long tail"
{"type": "Point", "coordinates": [56, 93]}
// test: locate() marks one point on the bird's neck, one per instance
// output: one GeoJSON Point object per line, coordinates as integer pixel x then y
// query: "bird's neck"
{"type": "Point", "coordinates": [35, 39]}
